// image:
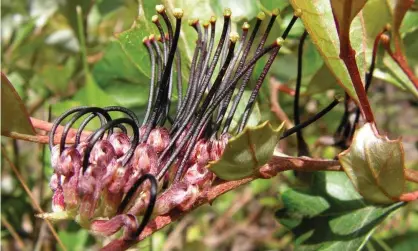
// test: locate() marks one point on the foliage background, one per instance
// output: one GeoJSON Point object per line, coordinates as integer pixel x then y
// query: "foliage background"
{"type": "Point", "coordinates": [42, 56]}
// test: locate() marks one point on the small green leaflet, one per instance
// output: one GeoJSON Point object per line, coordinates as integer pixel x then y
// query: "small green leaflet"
{"type": "Point", "coordinates": [246, 152]}
{"type": "Point", "coordinates": [375, 166]}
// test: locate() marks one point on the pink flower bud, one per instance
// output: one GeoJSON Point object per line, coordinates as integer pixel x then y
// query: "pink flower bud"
{"type": "Point", "coordinates": [120, 142]}
{"type": "Point", "coordinates": [217, 147]}
{"type": "Point", "coordinates": [200, 153]}
{"type": "Point", "coordinates": [145, 159]}
{"type": "Point", "coordinates": [178, 195]}
{"type": "Point", "coordinates": [86, 183]}
{"type": "Point", "coordinates": [54, 182]}
{"type": "Point", "coordinates": [118, 180]}
{"type": "Point", "coordinates": [190, 199]}
{"type": "Point", "coordinates": [69, 161]}
{"type": "Point", "coordinates": [101, 155]}
{"type": "Point", "coordinates": [110, 227]}
{"type": "Point", "coordinates": [70, 186]}
{"type": "Point", "coordinates": [159, 138]}
{"type": "Point", "coordinates": [141, 202]}
{"type": "Point", "coordinates": [198, 175]}
{"type": "Point", "coordinates": [58, 204]}
{"type": "Point", "coordinates": [55, 156]}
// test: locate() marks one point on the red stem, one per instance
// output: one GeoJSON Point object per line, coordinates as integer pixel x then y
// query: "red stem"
{"type": "Point", "coordinates": [348, 56]}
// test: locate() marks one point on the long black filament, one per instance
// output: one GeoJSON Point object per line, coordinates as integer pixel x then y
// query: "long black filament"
{"type": "Point", "coordinates": [167, 71]}
{"type": "Point", "coordinates": [302, 147]}
{"type": "Point", "coordinates": [310, 120]}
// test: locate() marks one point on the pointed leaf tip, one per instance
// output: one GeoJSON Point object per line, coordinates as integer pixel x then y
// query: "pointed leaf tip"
{"type": "Point", "coordinates": [14, 116]}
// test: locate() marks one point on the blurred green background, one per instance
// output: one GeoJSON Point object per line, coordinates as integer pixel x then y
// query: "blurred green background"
{"type": "Point", "coordinates": [46, 60]}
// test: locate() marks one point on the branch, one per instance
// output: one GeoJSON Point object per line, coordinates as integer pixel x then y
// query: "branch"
{"type": "Point", "coordinates": [44, 139]}
{"type": "Point", "coordinates": [275, 87]}
{"type": "Point", "coordinates": [276, 165]}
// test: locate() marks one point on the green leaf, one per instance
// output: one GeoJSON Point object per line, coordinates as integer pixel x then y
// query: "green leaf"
{"type": "Point", "coordinates": [322, 81]}
{"type": "Point", "coordinates": [375, 165]}
{"type": "Point", "coordinates": [402, 79]}
{"type": "Point", "coordinates": [319, 22]}
{"type": "Point", "coordinates": [344, 12]}
{"type": "Point", "coordinates": [14, 117]}
{"type": "Point", "coordinates": [90, 95]}
{"type": "Point", "coordinates": [331, 215]}
{"type": "Point", "coordinates": [75, 240]}
{"type": "Point", "coordinates": [373, 25]}
{"type": "Point", "coordinates": [120, 78]}
{"type": "Point", "coordinates": [246, 152]}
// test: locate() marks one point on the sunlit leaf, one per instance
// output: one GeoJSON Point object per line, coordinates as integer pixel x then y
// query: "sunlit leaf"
{"type": "Point", "coordinates": [375, 165]}
{"type": "Point", "coordinates": [344, 12]}
{"type": "Point", "coordinates": [319, 22]}
{"type": "Point", "coordinates": [332, 215]}
{"type": "Point", "coordinates": [246, 152]}
{"type": "Point", "coordinates": [14, 117]}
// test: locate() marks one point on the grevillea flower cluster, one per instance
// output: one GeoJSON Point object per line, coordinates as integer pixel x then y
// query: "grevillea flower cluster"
{"type": "Point", "coordinates": [128, 169]}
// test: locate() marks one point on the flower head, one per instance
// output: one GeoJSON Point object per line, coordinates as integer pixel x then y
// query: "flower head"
{"type": "Point", "coordinates": [115, 174]}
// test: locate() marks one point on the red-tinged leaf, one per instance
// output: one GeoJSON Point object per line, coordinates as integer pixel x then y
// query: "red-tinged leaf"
{"type": "Point", "coordinates": [247, 152]}
{"type": "Point", "coordinates": [344, 12]}
{"type": "Point", "coordinates": [319, 21]}
{"type": "Point", "coordinates": [375, 165]}
{"type": "Point", "coordinates": [14, 117]}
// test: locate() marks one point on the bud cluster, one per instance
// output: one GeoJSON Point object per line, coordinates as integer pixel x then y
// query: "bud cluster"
{"type": "Point", "coordinates": [117, 173]}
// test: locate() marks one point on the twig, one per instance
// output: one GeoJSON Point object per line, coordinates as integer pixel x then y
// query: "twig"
{"type": "Point", "coordinates": [32, 198]}
{"type": "Point", "coordinates": [13, 233]}
{"type": "Point", "coordinates": [42, 139]}
{"type": "Point", "coordinates": [274, 103]}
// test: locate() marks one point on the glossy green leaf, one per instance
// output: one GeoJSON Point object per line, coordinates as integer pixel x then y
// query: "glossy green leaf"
{"type": "Point", "coordinates": [322, 80]}
{"type": "Point", "coordinates": [246, 152]}
{"type": "Point", "coordinates": [89, 95]}
{"type": "Point", "coordinates": [319, 22]}
{"type": "Point", "coordinates": [375, 165]}
{"type": "Point", "coordinates": [373, 25]}
{"type": "Point", "coordinates": [131, 40]}
{"type": "Point", "coordinates": [344, 12]}
{"type": "Point", "coordinates": [331, 215]}
{"type": "Point", "coordinates": [402, 79]}
{"type": "Point", "coordinates": [14, 117]}
{"type": "Point", "coordinates": [120, 78]}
